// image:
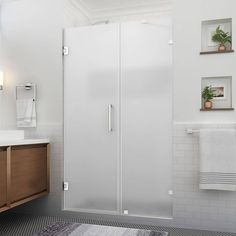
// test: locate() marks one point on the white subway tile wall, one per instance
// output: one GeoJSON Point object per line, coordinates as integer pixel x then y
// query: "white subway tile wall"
{"type": "Point", "coordinates": [192, 208]}
{"type": "Point", "coordinates": [203, 209]}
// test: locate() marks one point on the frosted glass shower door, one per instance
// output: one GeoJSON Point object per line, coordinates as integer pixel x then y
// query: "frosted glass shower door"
{"type": "Point", "coordinates": [146, 119]}
{"type": "Point", "coordinates": [91, 126]}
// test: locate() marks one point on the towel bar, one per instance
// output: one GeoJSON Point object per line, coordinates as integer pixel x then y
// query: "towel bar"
{"type": "Point", "coordinates": [26, 86]}
{"type": "Point", "coordinates": [192, 131]}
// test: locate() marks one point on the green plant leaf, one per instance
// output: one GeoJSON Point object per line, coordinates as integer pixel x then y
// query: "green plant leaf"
{"type": "Point", "coordinates": [207, 93]}
{"type": "Point", "coordinates": [221, 37]}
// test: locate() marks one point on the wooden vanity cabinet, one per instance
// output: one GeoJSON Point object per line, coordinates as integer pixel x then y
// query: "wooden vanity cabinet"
{"type": "Point", "coordinates": [3, 179]}
{"type": "Point", "coordinates": [24, 174]}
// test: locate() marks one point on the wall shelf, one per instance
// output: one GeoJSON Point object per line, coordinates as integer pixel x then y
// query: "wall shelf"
{"type": "Point", "coordinates": [208, 30]}
{"type": "Point", "coordinates": [216, 52]}
{"type": "Point", "coordinates": [217, 109]}
{"type": "Point", "coordinates": [221, 87]}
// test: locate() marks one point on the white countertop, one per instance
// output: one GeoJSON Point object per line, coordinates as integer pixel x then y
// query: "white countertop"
{"type": "Point", "coordinates": [23, 142]}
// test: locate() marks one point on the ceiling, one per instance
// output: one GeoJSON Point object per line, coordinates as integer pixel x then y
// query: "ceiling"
{"type": "Point", "coordinates": [98, 5]}
{"type": "Point", "coordinates": [101, 5]}
{"type": "Point", "coordinates": [106, 8]}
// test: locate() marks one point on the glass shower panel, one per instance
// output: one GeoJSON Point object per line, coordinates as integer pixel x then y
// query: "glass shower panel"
{"type": "Point", "coordinates": [91, 126]}
{"type": "Point", "coordinates": [146, 102]}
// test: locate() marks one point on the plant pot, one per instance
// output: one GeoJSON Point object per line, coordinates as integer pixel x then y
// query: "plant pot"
{"type": "Point", "coordinates": [222, 48]}
{"type": "Point", "coordinates": [208, 105]}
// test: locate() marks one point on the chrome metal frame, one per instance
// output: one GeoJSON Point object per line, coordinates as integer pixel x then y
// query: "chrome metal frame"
{"type": "Point", "coordinates": [27, 86]}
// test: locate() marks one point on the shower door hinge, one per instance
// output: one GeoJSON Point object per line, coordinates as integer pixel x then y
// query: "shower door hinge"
{"type": "Point", "coordinates": [65, 51]}
{"type": "Point", "coordinates": [126, 212]}
{"type": "Point", "coordinates": [65, 186]}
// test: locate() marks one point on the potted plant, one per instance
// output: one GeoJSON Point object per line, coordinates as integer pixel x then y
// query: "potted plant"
{"type": "Point", "coordinates": [207, 95]}
{"type": "Point", "coordinates": [223, 38]}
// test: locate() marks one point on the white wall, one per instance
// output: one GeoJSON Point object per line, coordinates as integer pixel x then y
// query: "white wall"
{"type": "Point", "coordinates": [31, 35]}
{"type": "Point", "coordinates": [214, 210]}
{"type": "Point", "coordinates": [190, 66]}
{"type": "Point", "coordinates": [199, 209]}
{"type": "Point", "coordinates": [31, 41]}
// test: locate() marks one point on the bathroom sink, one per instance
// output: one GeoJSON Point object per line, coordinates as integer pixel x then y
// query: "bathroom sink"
{"type": "Point", "coordinates": [17, 137]}
{"type": "Point", "coordinates": [11, 135]}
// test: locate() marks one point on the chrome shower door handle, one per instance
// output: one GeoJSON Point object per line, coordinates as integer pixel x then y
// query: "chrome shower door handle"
{"type": "Point", "coordinates": [110, 118]}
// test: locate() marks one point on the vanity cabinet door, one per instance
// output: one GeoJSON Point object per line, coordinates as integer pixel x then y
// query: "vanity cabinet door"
{"type": "Point", "coordinates": [3, 178]}
{"type": "Point", "coordinates": [28, 171]}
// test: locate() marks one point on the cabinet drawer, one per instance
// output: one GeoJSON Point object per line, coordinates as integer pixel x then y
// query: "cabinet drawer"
{"type": "Point", "coordinates": [28, 171]}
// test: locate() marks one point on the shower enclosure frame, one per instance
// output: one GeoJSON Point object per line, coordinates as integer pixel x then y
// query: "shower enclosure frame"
{"type": "Point", "coordinates": [120, 210]}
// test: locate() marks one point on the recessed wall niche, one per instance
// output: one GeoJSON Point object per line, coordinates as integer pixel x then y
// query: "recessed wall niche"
{"type": "Point", "coordinates": [208, 30]}
{"type": "Point", "coordinates": [222, 92]}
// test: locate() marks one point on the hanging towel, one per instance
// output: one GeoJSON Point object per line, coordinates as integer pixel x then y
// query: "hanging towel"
{"type": "Point", "coordinates": [218, 159]}
{"type": "Point", "coordinates": [26, 113]}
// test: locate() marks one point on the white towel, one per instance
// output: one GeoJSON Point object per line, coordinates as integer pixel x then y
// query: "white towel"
{"type": "Point", "coordinates": [218, 159]}
{"type": "Point", "coordinates": [26, 113]}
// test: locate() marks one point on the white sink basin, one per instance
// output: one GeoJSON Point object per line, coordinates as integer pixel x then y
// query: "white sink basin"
{"type": "Point", "coordinates": [11, 135]}
{"type": "Point", "coordinates": [17, 137]}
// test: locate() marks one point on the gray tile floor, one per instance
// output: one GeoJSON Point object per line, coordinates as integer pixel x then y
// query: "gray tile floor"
{"type": "Point", "coordinates": [26, 225]}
